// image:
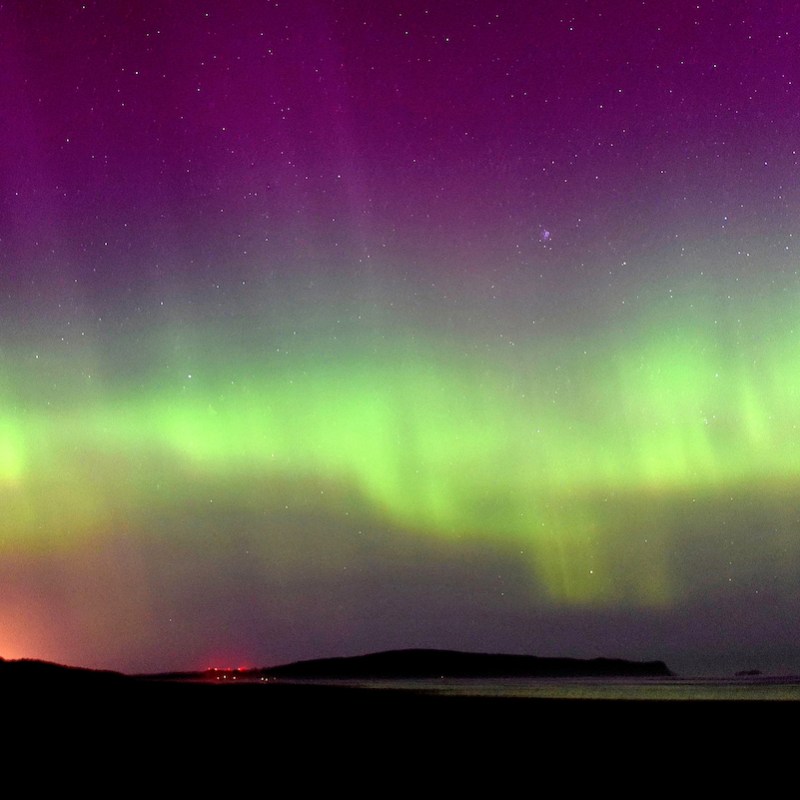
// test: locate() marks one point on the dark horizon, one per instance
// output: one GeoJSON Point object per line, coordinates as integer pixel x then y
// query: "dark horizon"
{"type": "Point", "coordinates": [413, 663]}
{"type": "Point", "coordinates": [246, 666]}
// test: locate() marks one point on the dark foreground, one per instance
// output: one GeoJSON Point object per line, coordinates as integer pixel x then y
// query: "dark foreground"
{"type": "Point", "coordinates": [188, 736]}
{"type": "Point", "coordinates": [322, 711]}
{"type": "Point", "coordinates": [104, 730]}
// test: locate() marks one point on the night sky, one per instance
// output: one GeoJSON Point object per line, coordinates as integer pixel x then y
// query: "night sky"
{"type": "Point", "coordinates": [334, 326]}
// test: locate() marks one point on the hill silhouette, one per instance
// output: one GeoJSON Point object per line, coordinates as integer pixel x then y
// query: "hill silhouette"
{"type": "Point", "coordinates": [386, 665]}
{"type": "Point", "coordinates": [32, 671]}
{"type": "Point", "coordinates": [423, 663]}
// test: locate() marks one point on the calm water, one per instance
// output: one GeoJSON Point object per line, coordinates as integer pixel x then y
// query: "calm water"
{"type": "Point", "coordinates": [759, 688]}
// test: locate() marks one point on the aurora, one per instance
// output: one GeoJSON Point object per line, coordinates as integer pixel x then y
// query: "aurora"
{"type": "Point", "coordinates": [338, 327]}
{"type": "Point", "coordinates": [538, 450]}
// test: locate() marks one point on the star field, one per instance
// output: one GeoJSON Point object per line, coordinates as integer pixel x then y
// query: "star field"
{"type": "Point", "coordinates": [328, 327]}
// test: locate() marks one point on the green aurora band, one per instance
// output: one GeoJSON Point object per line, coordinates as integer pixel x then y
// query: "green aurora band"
{"type": "Point", "coordinates": [582, 453]}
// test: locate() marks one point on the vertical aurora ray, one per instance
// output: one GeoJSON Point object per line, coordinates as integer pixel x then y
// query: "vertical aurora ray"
{"type": "Point", "coordinates": [561, 451]}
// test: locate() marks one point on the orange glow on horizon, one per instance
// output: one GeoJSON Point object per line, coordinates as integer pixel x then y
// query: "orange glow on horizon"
{"type": "Point", "coordinates": [17, 642]}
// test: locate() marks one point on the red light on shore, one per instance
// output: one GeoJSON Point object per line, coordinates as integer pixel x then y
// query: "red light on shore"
{"type": "Point", "coordinates": [223, 669]}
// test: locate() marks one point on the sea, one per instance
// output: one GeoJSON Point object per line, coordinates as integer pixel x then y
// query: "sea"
{"type": "Point", "coordinates": [753, 688]}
